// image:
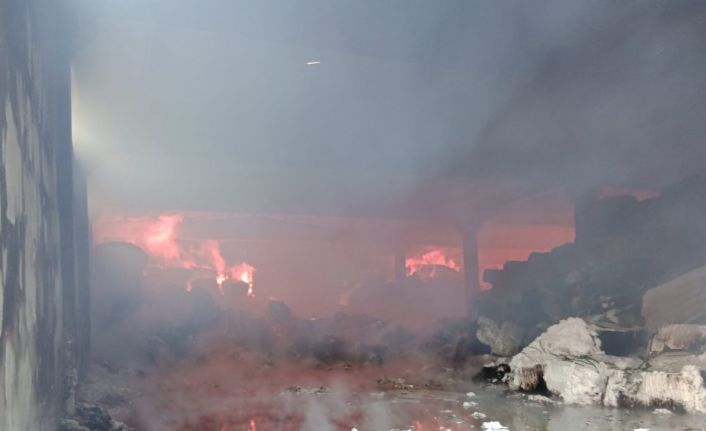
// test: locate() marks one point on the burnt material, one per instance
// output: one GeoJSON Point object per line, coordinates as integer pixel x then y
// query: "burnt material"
{"type": "Point", "coordinates": [623, 248]}
{"type": "Point", "coordinates": [90, 417]}
{"type": "Point", "coordinates": [330, 350]}
{"type": "Point", "coordinates": [493, 373]}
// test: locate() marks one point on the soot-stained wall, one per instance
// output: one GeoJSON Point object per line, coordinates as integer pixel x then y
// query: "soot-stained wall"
{"type": "Point", "coordinates": [41, 285]}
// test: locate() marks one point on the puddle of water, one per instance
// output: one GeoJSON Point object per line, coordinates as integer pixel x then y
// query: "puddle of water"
{"type": "Point", "coordinates": [230, 398]}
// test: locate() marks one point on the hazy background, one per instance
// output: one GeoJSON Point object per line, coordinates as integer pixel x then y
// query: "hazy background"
{"type": "Point", "coordinates": [210, 104]}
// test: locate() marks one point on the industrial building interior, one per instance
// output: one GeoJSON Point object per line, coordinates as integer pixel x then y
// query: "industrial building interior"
{"type": "Point", "coordinates": [361, 215]}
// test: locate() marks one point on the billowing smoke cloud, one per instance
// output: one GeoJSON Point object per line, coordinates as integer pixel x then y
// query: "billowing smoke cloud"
{"type": "Point", "coordinates": [347, 108]}
{"type": "Point", "coordinates": [616, 99]}
{"type": "Point", "coordinates": [211, 104]}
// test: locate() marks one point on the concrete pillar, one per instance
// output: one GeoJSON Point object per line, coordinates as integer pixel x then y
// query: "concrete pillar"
{"type": "Point", "coordinates": [470, 267]}
{"type": "Point", "coordinates": [583, 199]}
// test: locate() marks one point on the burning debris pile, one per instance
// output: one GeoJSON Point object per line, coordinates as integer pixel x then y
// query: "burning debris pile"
{"type": "Point", "coordinates": [163, 326]}
{"type": "Point", "coordinates": [588, 323]}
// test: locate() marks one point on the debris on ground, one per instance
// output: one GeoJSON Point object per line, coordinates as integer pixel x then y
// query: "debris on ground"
{"type": "Point", "coordinates": [663, 412]}
{"type": "Point", "coordinates": [469, 404]}
{"type": "Point", "coordinates": [494, 373]}
{"type": "Point", "coordinates": [397, 384]}
{"type": "Point", "coordinates": [298, 390]}
{"type": "Point", "coordinates": [494, 426]}
{"type": "Point", "coordinates": [90, 417]}
{"type": "Point", "coordinates": [540, 399]}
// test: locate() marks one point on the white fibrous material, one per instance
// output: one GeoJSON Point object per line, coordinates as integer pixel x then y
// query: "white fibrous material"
{"type": "Point", "coordinates": [685, 389]}
{"type": "Point", "coordinates": [562, 358]}
{"type": "Point", "coordinates": [494, 426]}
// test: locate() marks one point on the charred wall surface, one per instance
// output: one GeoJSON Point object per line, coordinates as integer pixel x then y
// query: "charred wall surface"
{"type": "Point", "coordinates": [40, 347]}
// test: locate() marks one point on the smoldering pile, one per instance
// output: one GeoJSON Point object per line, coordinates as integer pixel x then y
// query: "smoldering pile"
{"type": "Point", "coordinates": [192, 325]}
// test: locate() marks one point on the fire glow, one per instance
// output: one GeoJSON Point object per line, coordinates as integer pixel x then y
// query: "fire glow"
{"type": "Point", "coordinates": [243, 272]}
{"type": "Point", "coordinates": [426, 264]}
{"type": "Point", "coordinates": [158, 237]}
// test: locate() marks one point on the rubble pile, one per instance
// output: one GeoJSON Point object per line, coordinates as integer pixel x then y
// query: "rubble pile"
{"type": "Point", "coordinates": [623, 247]}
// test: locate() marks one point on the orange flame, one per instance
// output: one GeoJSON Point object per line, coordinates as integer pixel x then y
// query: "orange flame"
{"type": "Point", "coordinates": [245, 273]}
{"type": "Point", "coordinates": [158, 237]}
{"type": "Point", "coordinates": [425, 264]}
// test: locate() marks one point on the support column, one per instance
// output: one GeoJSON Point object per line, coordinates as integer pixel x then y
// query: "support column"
{"type": "Point", "coordinates": [400, 266]}
{"type": "Point", "coordinates": [583, 200]}
{"type": "Point", "coordinates": [470, 268]}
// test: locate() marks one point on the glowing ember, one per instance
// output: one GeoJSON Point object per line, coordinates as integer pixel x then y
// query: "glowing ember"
{"type": "Point", "coordinates": [426, 263]}
{"type": "Point", "coordinates": [159, 240]}
{"type": "Point", "coordinates": [244, 272]}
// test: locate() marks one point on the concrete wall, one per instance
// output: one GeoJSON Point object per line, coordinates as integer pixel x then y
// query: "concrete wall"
{"type": "Point", "coordinates": [40, 291]}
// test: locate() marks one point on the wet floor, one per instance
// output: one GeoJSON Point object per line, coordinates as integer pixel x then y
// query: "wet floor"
{"type": "Point", "coordinates": [444, 411]}
{"type": "Point", "coordinates": [221, 397]}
